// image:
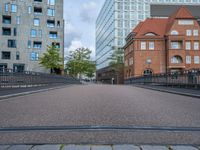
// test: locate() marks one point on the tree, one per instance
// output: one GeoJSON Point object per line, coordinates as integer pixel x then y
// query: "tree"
{"type": "Point", "coordinates": [117, 59]}
{"type": "Point", "coordinates": [79, 63]}
{"type": "Point", "coordinates": [51, 59]}
{"type": "Point", "coordinates": [117, 62]}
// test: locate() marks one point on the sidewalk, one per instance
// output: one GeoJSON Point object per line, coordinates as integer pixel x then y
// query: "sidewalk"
{"type": "Point", "coordinates": [95, 147]}
{"type": "Point", "coordinates": [173, 90]}
{"type": "Point", "coordinates": [13, 92]}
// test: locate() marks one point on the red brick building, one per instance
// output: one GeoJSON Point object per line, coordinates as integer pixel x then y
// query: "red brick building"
{"type": "Point", "coordinates": [160, 45]}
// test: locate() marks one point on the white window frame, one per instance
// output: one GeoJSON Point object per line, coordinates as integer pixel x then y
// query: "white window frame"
{"type": "Point", "coordinates": [143, 45]}
{"type": "Point", "coordinates": [29, 9]}
{"type": "Point", "coordinates": [13, 8]}
{"type": "Point", "coordinates": [196, 45]}
{"type": "Point", "coordinates": [196, 60]}
{"type": "Point", "coordinates": [195, 32]}
{"type": "Point", "coordinates": [51, 2]}
{"type": "Point", "coordinates": [36, 22]}
{"type": "Point", "coordinates": [188, 45]}
{"type": "Point", "coordinates": [151, 45]}
{"type": "Point", "coordinates": [188, 32]}
{"type": "Point", "coordinates": [188, 59]}
{"type": "Point", "coordinates": [174, 45]}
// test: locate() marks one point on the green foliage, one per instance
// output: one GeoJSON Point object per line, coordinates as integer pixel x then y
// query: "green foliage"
{"type": "Point", "coordinates": [117, 60]}
{"type": "Point", "coordinates": [80, 64]}
{"type": "Point", "coordinates": [51, 59]}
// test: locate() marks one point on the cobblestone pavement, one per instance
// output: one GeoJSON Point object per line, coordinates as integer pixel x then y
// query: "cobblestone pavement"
{"type": "Point", "coordinates": [95, 147]}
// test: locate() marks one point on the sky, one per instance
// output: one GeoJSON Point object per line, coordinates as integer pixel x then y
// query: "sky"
{"type": "Point", "coordinates": [80, 17]}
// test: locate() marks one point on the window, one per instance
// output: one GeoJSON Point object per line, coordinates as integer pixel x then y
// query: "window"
{"type": "Point", "coordinates": [150, 34]}
{"type": "Point", "coordinates": [6, 7]}
{"type": "Point", "coordinates": [151, 45]}
{"type": "Point", "coordinates": [58, 23]}
{"type": "Point", "coordinates": [29, 9]}
{"type": "Point", "coordinates": [56, 44]}
{"type": "Point", "coordinates": [33, 33]}
{"type": "Point", "coordinates": [15, 31]}
{"type": "Point", "coordinates": [37, 45]}
{"type": "Point", "coordinates": [13, 8]}
{"type": "Point", "coordinates": [18, 20]}
{"type": "Point", "coordinates": [51, 23]}
{"type": "Point", "coordinates": [12, 44]}
{"type": "Point", "coordinates": [53, 35]}
{"type": "Point", "coordinates": [188, 60]}
{"type": "Point", "coordinates": [7, 19]}
{"type": "Point", "coordinates": [29, 44]}
{"type": "Point", "coordinates": [37, 0]}
{"type": "Point", "coordinates": [50, 12]}
{"type": "Point", "coordinates": [195, 32]}
{"type": "Point", "coordinates": [5, 55]}
{"type": "Point", "coordinates": [40, 33]}
{"type": "Point", "coordinates": [174, 32]}
{"type": "Point", "coordinates": [176, 60]}
{"type": "Point", "coordinates": [148, 72]}
{"type": "Point", "coordinates": [185, 22]}
{"type": "Point", "coordinates": [188, 45]}
{"type": "Point", "coordinates": [176, 45]}
{"type": "Point", "coordinates": [34, 56]}
{"type": "Point", "coordinates": [6, 31]}
{"type": "Point", "coordinates": [17, 55]}
{"type": "Point", "coordinates": [51, 2]}
{"type": "Point", "coordinates": [143, 45]}
{"type": "Point", "coordinates": [196, 45]}
{"type": "Point", "coordinates": [36, 22]}
{"type": "Point", "coordinates": [37, 10]}
{"type": "Point", "coordinates": [196, 59]}
{"type": "Point", "coordinates": [131, 61]}
{"type": "Point", "coordinates": [189, 32]}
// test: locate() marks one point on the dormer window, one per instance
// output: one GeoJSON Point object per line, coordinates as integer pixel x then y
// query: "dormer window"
{"type": "Point", "coordinates": [174, 32]}
{"type": "Point", "coordinates": [150, 34]}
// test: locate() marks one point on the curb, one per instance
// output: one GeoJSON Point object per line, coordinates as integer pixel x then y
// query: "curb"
{"type": "Point", "coordinates": [168, 91]}
{"type": "Point", "coordinates": [2, 98]}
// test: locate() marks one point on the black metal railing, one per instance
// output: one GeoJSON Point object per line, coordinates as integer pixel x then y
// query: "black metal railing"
{"type": "Point", "coordinates": [11, 78]}
{"type": "Point", "coordinates": [190, 78]}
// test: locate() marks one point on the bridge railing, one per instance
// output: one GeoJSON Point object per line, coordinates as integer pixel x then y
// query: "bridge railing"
{"type": "Point", "coordinates": [185, 78]}
{"type": "Point", "coordinates": [11, 78]}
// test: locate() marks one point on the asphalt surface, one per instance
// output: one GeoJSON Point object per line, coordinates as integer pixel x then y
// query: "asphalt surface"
{"type": "Point", "coordinates": [100, 106]}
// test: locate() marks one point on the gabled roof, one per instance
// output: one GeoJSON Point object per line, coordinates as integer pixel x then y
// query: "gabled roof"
{"type": "Point", "coordinates": [151, 25]}
{"type": "Point", "coordinates": [183, 13]}
{"type": "Point", "coordinates": [160, 26]}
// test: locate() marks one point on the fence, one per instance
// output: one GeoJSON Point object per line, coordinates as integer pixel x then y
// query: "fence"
{"type": "Point", "coordinates": [189, 78]}
{"type": "Point", "coordinates": [10, 78]}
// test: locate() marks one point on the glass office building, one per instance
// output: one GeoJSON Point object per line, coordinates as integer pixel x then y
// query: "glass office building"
{"type": "Point", "coordinates": [117, 18]}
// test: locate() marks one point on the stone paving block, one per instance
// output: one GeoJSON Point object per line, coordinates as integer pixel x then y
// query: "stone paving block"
{"type": "Point", "coordinates": [4, 147]}
{"type": "Point", "coordinates": [148, 147]}
{"type": "Point", "coordinates": [125, 147]}
{"type": "Point", "coordinates": [46, 147]}
{"type": "Point", "coordinates": [183, 148]}
{"type": "Point", "coordinates": [20, 147]}
{"type": "Point", "coordinates": [76, 147]}
{"type": "Point", "coordinates": [101, 148]}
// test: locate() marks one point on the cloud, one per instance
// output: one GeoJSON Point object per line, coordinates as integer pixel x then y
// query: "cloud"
{"type": "Point", "coordinates": [78, 44]}
{"type": "Point", "coordinates": [88, 12]}
{"type": "Point", "coordinates": [71, 34]}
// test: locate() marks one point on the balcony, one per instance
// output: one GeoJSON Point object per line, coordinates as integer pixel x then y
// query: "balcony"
{"type": "Point", "coordinates": [176, 62]}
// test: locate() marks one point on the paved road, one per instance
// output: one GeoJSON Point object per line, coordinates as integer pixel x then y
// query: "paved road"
{"type": "Point", "coordinates": [125, 107]}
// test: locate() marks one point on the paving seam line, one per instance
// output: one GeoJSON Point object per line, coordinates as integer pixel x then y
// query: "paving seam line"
{"type": "Point", "coordinates": [168, 91]}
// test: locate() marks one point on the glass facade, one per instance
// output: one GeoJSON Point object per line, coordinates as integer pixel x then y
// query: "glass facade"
{"type": "Point", "coordinates": [117, 18]}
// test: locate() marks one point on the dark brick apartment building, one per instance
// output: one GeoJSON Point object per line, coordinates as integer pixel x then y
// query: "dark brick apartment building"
{"type": "Point", "coordinates": [160, 45]}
